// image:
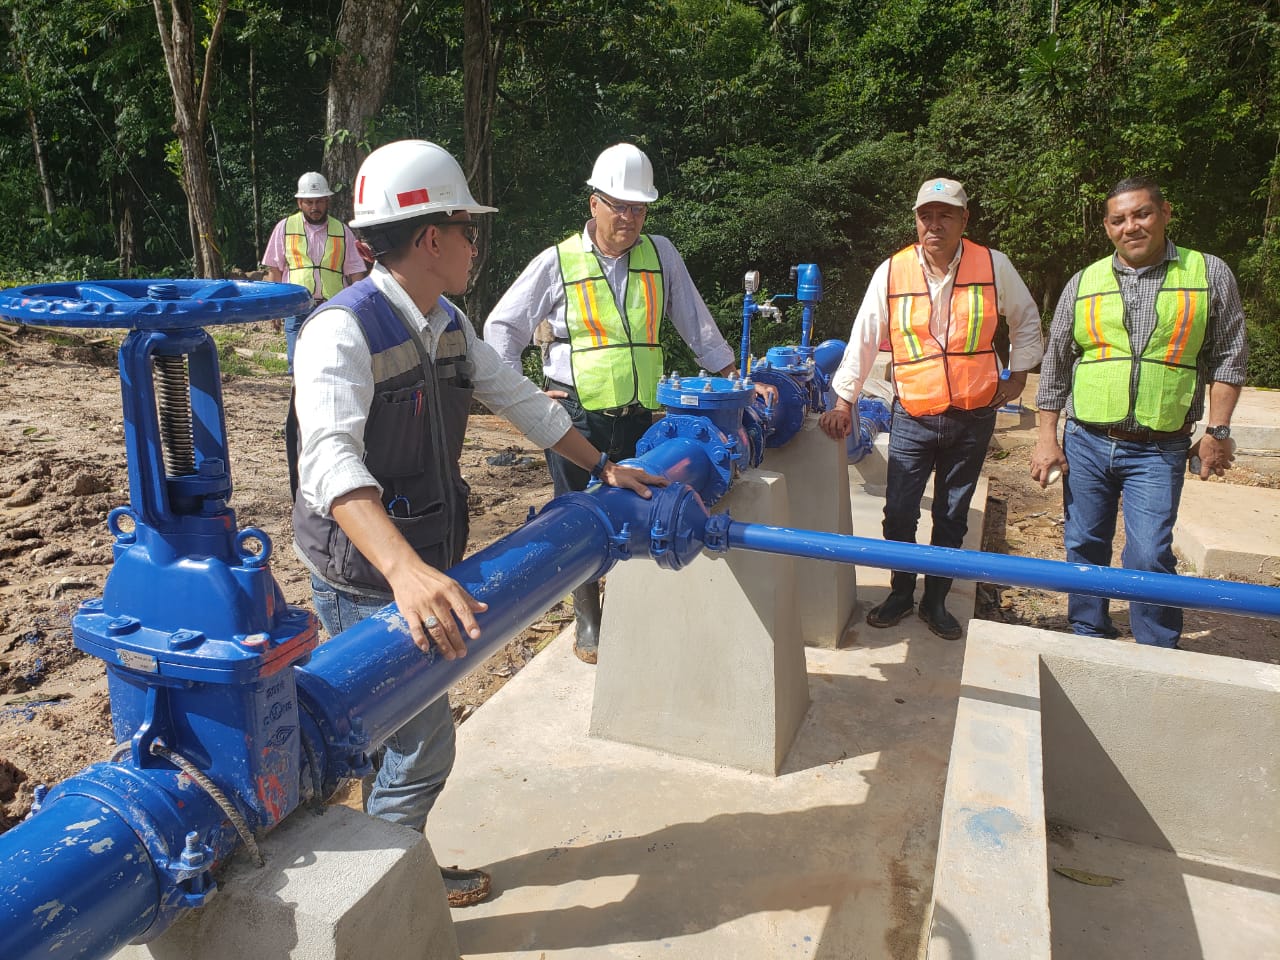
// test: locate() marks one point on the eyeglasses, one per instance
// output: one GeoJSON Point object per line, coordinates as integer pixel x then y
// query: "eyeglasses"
{"type": "Point", "coordinates": [471, 228]}
{"type": "Point", "coordinates": [635, 209]}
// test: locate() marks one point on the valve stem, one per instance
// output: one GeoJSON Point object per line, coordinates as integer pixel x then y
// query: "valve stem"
{"type": "Point", "coordinates": [173, 399]}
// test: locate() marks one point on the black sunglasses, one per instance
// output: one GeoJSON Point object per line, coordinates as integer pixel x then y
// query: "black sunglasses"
{"type": "Point", "coordinates": [470, 227]}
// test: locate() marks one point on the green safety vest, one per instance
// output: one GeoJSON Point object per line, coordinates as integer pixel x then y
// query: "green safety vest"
{"type": "Point", "coordinates": [298, 258]}
{"type": "Point", "coordinates": [616, 358]}
{"type": "Point", "coordinates": [1157, 387]}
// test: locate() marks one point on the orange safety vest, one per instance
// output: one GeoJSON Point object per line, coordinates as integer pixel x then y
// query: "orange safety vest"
{"type": "Point", "coordinates": [963, 371]}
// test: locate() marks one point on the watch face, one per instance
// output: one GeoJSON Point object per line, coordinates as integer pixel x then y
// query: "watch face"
{"type": "Point", "coordinates": [1219, 433]}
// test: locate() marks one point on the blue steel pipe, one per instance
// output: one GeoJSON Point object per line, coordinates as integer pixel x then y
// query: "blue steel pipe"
{"type": "Point", "coordinates": [520, 577]}
{"type": "Point", "coordinates": [90, 887]}
{"type": "Point", "coordinates": [1058, 575]}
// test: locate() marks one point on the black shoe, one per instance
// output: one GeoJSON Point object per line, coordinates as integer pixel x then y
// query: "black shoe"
{"type": "Point", "coordinates": [893, 610]}
{"type": "Point", "coordinates": [586, 615]}
{"type": "Point", "coordinates": [937, 619]}
{"type": "Point", "coordinates": [465, 887]}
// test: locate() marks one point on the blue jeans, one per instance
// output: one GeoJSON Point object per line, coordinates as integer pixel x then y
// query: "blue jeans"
{"type": "Point", "coordinates": [417, 758]}
{"type": "Point", "coordinates": [949, 446]}
{"type": "Point", "coordinates": [291, 327]}
{"type": "Point", "coordinates": [1149, 476]}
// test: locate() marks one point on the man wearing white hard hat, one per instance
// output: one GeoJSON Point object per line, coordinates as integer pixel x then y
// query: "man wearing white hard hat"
{"type": "Point", "coordinates": [312, 249]}
{"type": "Point", "coordinates": [599, 298]}
{"type": "Point", "coordinates": [940, 302]}
{"type": "Point", "coordinates": [385, 374]}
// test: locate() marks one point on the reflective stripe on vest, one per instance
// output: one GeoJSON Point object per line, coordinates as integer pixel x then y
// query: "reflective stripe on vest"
{"type": "Point", "coordinates": [931, 376]}
{"type": "Point", "coordinates": [616, 359]}
{"type": "Point", "coordinates": [1157, 389]}
{"type": "Point", "coordinates": [297, 257]}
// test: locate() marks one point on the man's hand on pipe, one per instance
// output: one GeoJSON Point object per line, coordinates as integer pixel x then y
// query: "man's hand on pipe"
{"type": "Point", "coordinates": [632, 478]}
{"type": "Point", "coordinates": [433, 605]}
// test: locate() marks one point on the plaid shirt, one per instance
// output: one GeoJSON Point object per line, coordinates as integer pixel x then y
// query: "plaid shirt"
{"type": "Point", "coordinates": [1221, 359]}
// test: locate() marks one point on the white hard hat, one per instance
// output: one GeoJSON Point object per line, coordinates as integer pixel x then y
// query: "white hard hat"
{"type": "Point", "coordinates": [313, 185]}
{"type": "Point", "coordinates": [408, 178]}
{"type": "Point", "coordinates": [624, 173]}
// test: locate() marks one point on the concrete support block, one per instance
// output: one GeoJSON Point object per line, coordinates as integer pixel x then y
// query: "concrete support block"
{"type": "Point", "coordinates": [818, 493]}
{"type": "Point", "coordinates": [341, 886]}
{"type": "Point", "coordinates": [707, 662]}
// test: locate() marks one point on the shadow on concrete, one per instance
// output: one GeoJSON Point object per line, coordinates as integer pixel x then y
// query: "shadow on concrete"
{"type": "Point", "coordinates": [1148, 912]}
{"type": "Point", "coordinates": [857, 876]}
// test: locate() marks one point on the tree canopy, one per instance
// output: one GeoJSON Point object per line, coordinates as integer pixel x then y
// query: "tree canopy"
{"type": "Point", "coordinates": [782, 131]}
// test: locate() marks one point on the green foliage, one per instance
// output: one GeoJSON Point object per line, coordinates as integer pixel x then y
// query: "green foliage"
{"type": "Point", "coordinates": [782, 131]}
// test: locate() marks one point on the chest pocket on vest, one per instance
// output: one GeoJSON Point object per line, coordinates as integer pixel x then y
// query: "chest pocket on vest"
{"type": "Point", "coordinates": [397, 434]}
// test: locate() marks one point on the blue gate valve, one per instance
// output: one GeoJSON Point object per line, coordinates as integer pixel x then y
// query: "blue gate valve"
{"type": "Point", "coordinates": [194, 630]}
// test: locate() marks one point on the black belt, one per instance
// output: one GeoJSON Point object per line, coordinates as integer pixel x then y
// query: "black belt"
{"type": "Point", "coordinates": [629, 410]}
{"type": "Point", "coordinates": [1141, 435]}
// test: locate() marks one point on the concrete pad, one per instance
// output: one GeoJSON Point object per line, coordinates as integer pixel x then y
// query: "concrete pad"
{"type": "Point", "coordinates": [1156, 768]}
{"type": "Point", "coordinates": [601, 849]}
{"type": "Point", "coordinates": [1229, 532]}
{"type": "Point", "coordinates": [336, 887]}
{"type": "Point", "coordinates": [1255, 423]}
{"type": "Point", "coordinates": [818, 493]}
{"type": "Point", "coordinates": [707, 662]}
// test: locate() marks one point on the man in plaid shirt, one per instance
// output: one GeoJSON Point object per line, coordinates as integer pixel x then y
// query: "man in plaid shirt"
{"type": "Point", "coordinates": [1135, 340]}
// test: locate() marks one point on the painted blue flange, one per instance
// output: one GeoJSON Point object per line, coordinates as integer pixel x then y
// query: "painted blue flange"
{"type": "Point", "coordinates": [152, 304]}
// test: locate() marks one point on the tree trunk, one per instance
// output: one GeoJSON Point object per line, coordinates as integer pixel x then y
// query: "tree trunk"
{"type": "Point", "coordinates": [33, 126]}
{"type": "Point", "coordinates": [253, 161]}
{"type": "Point", "coordinates": [367, 35]}
{"type": "Point", "coordinates": [191, 119]}
{"type": "Point", "coordinates": [480, 58]}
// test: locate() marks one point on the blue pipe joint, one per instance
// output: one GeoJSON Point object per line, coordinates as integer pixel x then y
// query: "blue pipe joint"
{"type": "Point", "coordinates": [183, 831]}
{"type": "Point", "coordinates": [725, 454]}
{"type": "Point", "coordinates": [808, 283]}
{"type": "Point", "coordinates": [873, 417]}
{"type": "Point", "coordinates": [791, 406]}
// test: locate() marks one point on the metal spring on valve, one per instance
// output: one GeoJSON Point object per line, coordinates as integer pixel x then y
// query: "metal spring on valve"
{"type": "Point", "coordinates": [173, 398]}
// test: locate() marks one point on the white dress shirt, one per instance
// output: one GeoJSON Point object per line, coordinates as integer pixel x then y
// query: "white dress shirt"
{"type": "Point", "coordinates": [333, 379]}
{"type": "Point", "coordinates": [871, 326]}
{"type": "Point", "coordinates": [538, 294]}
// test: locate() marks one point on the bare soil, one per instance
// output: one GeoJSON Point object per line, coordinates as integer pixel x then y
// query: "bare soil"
{"type": "Point", "coordinates": [62, 469]}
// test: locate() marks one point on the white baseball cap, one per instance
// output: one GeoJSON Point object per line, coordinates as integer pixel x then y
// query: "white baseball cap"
{"type": "Point", "coordinates": [941, 190]}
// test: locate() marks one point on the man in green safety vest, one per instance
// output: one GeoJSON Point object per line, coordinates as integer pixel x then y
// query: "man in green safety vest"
{"type": "Point", "coordinates": [1135, 340]}
{"type": "Point", "coordinates": [312, 249]}
{"type": "Point", "coordinates": [594, 304]}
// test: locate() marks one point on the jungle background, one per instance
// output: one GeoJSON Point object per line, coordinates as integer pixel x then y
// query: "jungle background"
{"type": "Point", "coordinates": [166, 138]}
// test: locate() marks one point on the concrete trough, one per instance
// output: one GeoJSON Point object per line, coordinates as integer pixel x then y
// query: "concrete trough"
{"type": "Point", "coordinates": [1108, 800]}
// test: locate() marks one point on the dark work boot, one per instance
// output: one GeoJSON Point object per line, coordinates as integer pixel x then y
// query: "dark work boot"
{"type": "Point", "coordinates": [933, 609]}
{"type": "Point", "coordinates": [586, 615]}
{"type": "Point", "coordinates": [464, 887]}
{"type": "Point", "coordinates": [900, 603]}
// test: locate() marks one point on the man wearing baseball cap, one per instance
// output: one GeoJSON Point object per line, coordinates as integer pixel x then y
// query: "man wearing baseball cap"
{"type": "Point", "coordinates": [939, 302]}
{"type": "Point", "coordinates": [312, 249]}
